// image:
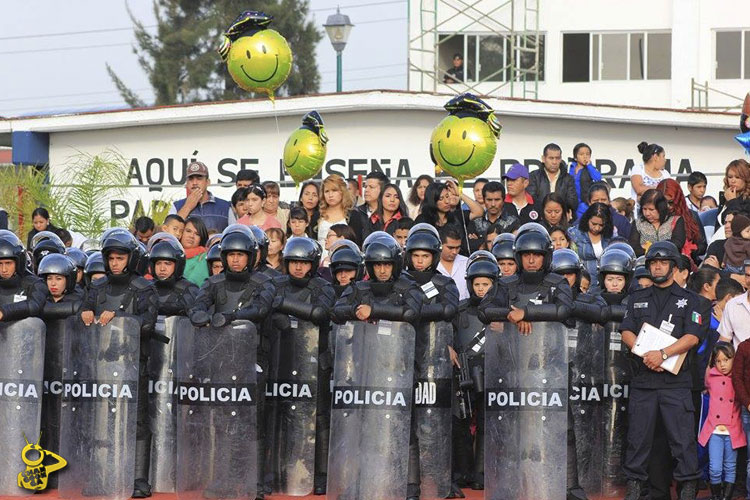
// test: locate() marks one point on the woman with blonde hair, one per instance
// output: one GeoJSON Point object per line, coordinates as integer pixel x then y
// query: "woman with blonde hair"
{"type": "Point", "coordinates": [335, 205]}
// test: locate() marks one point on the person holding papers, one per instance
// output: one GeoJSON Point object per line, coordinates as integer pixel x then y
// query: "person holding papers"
{"type": "Point", "coordinates": [656, 394]}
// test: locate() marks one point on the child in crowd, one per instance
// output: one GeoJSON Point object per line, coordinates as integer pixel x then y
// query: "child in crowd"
{"type": "Point", "coordinates": [560, 238]}
{"type": "Point", "coordinates": [174, 225]}
{"type": "Point", "coordinates": [737, 246]}
{"type": "Point", "coordinates": [276, 242]}
{"type": "Point", "coordinates": [723, 428]}
{"type": "Point", "coordinates": [401, 231]}
{"type": "Point", "coordinates": [624, 207]}
{"type": "Point", "coordinates": [696, 182]}
{"type": "Point", "coordinates": [708, 202]}
{"type": "Point", "coordinates": [298, 222]}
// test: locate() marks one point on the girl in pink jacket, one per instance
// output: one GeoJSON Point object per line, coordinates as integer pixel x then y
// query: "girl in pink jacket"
{"type": "Point", "coordinates": [723, 427]}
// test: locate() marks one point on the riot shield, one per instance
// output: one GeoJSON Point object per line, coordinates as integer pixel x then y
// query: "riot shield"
{"type": "Point", "coordinates": [371, 410]}
{"type": "Point", "coordinates": [432, 400]}
{"type": "Point", "coordinates": [21, 372]}
{"type": "Point", "coordinates": [291, 396]}
{"type": "Point", "coordinates": [99, 408]}
{"type": "Point", "coordinates": [162, 407]}
{"type": "Point", "coordinates": [619, 372]}
{"type": "Point", "coordinates": [216, 412]}
{"type": "Point", "coordinates": [588, 391]}
{"type": "Point", "coordinates": [57, 331]}
{"type": "Point", "coordinates": [526, 410]}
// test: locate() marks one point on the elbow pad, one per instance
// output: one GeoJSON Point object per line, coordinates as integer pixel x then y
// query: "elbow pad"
{"type": "Point", "coordinates": [391, 312]}
{"type": "Point", "coordinates": [343, 313]}
{"type": "Point", "coordinates": [617, 313]}
{"type": "Point", "coordinates": [171, 309]}
{"type": "Point", "coordinates": [450, 311]}
{"type": "Point", "coordinates": [319, 315]}
{"type": "Point", "coordinates": [301, 310]}
{"type": "Point", "coordinates": [545, 312]}
{"type": "Point", "coordinates": [200, 318]}
{"type": "Point", "coordinates": [592, 313]}
{"type": "Point", "coordinates": [432, 312]}
{"type": "Point", "coordinates": [252, 313]}
{"type": "Point", "coordinates": [489, 314]}
{"type": "Point", "coordinates": [59, 310]}
{"type": "Point", "coordinates": [409, 315]}
{"type": "Point", "coordinates": [15, 311]}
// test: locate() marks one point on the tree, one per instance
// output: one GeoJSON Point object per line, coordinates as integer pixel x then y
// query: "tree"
{"type": "Point", "coordinates": [181, 61]}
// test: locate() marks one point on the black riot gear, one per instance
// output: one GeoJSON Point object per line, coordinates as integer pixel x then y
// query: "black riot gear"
{"type": "Point", "coordinates": [262, 238]}
{"type": "Point", "coordinates": [384, 249]}
{"type": "Point", "coordinates": [565, 261]}
{"type": "Point", "coordinates": [213, 255]}
{"type": "Point", "coordinates": [45, 243]}
{"type": "Point", "coordinates": [375, 235]}
{"type": "Point", "coordinates": [533, 241]}
{"type": "Point", "coordinates": [663, 250]}
{"type": "Point", "coordinates": [59, 264]}
{"type": "Point", "coordinates": [122, 242]}
{"type": "Point", "coordinates": [481, 264]}
{"type": "Point", "coordinates": [301, 249]}
{"type": "Point", "coordinates": [239, 241]}
{"type": "Point", "coordinates": [345, 254]}
{"type": "Point", "coordinates": [423, 237]}
{"type": "Point", "coordinates": [78, 257]}
{"type": "Point", "coordinates": [534, 227]}
{"type": "Point", "coordinates": [615, 262]}
{"type": "Point", "coordinates": [621, 245]}
{"type": "Point", "coordinates": [502, 246]}
{"type": "Point", "coordinates": [167, 249]}
{"type": "Point", "coordinates": [12, 248]}
{"type": "Point", "coordinates": [94, 265]}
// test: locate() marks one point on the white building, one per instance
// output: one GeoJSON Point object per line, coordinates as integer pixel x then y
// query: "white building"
{"type": "Point", "coordinates": [658, 53]}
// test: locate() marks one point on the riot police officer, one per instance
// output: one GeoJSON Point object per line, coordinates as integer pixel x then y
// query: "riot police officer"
{"type": "Point", "coordinates": [587, 307]}
{"type": "Point", "coordinates": [482, 273]}
{"type": "Point", "coordinates": [167, 264]}
{"type": "Point", "coordinates": [347, 265]}
{"type": "Point", "coordinates": [123, 291]}
{"type": "Point", "coordinates": [93, 270]}
{"type": "Point", "coordinates": [655, 393]}
{"type": "Point", "coordinates": [79, 258]}
{"type": "Point", "coordinates": [305, 297]}
{"type": "Point", "coordinates": [44, 243]}
{"type": "Point", "coordinates": [59, 273]}
{"type": "Point", "coordinates": [262, 238]}
{"type": "Point", "coordinates": [22, 294]}
{"type": "Point", "coordinates": [213, 260]}
{"type": "Point", "coordinates": [502, 249]}
{"type": "Point", "coordinates": [240, 292]}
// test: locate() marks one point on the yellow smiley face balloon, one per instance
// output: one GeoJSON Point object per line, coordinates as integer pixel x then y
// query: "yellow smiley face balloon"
{"type": "Point", "coordinates": [305, 150]}
{"type": "Point", "coordinates": [258, 59]}
{"type": "Point", "coordinates": [464, 143]}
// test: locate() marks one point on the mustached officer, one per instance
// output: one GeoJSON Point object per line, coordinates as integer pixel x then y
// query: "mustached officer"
{"type": "Point", "coordinates": [305, 300]}
{"type": "Point", "coordinates": [656, 394]}
{"type": "Point", "coordinates": [123, 291]}
{"type": "Point", "coordinates": [482, 273]}
{"type": "Point", "coordinates": [240, 292]}
{"type": "Point", "coordinates": [22, 294]}
{"type": "Point", "coordinates": [167, 265]}
{"type": "Point", "coordinates": [431, 420]}
{"type": "Point", "coordinates": [347, 265]}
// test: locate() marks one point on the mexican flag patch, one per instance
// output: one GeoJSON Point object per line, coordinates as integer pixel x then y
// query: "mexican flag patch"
{"type": "Point", "coordinates": [697, 318]}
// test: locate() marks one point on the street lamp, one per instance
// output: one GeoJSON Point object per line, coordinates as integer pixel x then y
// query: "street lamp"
{"type": "Point", "coordinates": [338, 26]}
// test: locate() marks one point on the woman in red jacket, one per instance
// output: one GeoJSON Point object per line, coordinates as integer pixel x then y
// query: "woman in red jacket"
{"type": "Point", "coordinates": [723, 427]}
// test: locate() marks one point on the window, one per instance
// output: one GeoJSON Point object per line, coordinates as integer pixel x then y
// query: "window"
{"type": "Point", "coordinates": [617, 56]}
{"type": "Point", "coordinates": [732, 55]}
{"type": "Point", "coordinates": [488, 58]}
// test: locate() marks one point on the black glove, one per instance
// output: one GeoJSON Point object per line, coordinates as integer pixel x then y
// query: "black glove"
{"type": "Point", "coordinates": [200, 318]}
{"type": "Point", "coordinates": [222, 319]}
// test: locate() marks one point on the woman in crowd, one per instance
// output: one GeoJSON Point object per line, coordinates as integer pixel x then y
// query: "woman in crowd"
{"type": "Point", "coordinates": [584, 173]}
{"type": "Point", "coordinates": [194, 239]}
{"type": "Point", "coordinates": [255, 199]}
{"type": "Point", "coordinates": [276, 242]}
{"type": "Point", "coordinates": [40, 220]}
{"type": "Point", "coordinates": [553, 211]}
{"type": "Point", "coordinates": [736, 182]}
{"type": "Point", "coordinates": [438, 210]}
{"type": "Point", "coordinates": [335, 206]}
{"type": "Point", "coordinates": [599, 193]}
{"type": "Point", "coordinates": [391, 208]}
{"type": "Point", "coordinates": [591, 236]}
{"type": "Point", "coordinates": [560, 238]}
{"type": "Point", "coordinates": [309, 198]}
{"type": "Point", "coordinates": [643, 178]}
{"type": "Point", "coordinates": [655, 224]}
{"type": "Point", "coordinates": [416, 195]}
{"type": "Point", "coordinates": [695, 235]}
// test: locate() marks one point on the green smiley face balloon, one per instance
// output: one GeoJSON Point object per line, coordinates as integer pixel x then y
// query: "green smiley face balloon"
{"type": "Point", "coordinates": [258, 59]}
{"type": "Point", "coordinates": [464, 143]}
{"type": "Point", "coordinates": [305, 150]}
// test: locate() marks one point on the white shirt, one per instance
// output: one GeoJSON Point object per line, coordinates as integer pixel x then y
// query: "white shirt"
{"type": "Point", "coordinates": [598, 249]}
{"type": "Point", "coordinates": [649, 181]}
{"type": "Point", "coordinates": [458, 274]}
{"type": "Point", "coordinates": [735, 320]}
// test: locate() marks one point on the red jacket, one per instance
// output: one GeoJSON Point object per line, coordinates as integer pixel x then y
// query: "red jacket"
{"type": "Point", "coordinates": [741, 373]}
{"type": "Point", "coordinates": [723, 409]}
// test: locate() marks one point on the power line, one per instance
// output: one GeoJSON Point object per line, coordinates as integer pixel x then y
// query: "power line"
{"type": "Point", "coordinates": [58, 49]}
{"type": "Point", "coordinates": [81, 94]}
{"type": "Point", "coordinates": [66, 33]}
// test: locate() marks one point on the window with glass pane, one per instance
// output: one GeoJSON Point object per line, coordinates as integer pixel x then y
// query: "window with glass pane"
{"type": "Point", "coordinates": [636, 56]}
{"type": "Point", "coordinates": [595, 41]}
{"type": "Point", "coordinates": [659, 56]}
{"type": "Point", "coordinates": [492, 51]}
{"type": "Point", "coordinates": [450, 44]}
{"type": "Point", "coordinates": [728, 54]}
{"type": "Point", "coordinates": [747, 54]}
{"type": "Point", "coordinates": [525, 47]}
{"type": "Point", "coordinates": [470, 58]}
{"type": "Point", "coordinates": [614, 56]}
{"type": "Point", "coordinates": [576, 57]}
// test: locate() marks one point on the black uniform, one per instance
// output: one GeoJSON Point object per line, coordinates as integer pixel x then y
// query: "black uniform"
{"type": "Point", "coordinates": [399, 300]}
{"type": "Point", "coordinates": [22, 296]}
{"type": "Point", "coordinates": [176, 297]}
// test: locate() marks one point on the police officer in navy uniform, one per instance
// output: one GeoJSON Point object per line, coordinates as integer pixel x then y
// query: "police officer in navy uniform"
{"type": "Point", "coordinates": [176, 294]}
{"type": "Point", "coordinates": [262, 266]}
{"type": "Point", "coordinates": [347, 266]}
{"type": "Point", "coordinates": [22, 294]}
{"type": "Point", "coordinates": [655, 393]}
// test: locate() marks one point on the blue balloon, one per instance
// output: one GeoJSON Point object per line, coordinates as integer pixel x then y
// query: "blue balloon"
{"type": "Point", "coordinates": [744, 140]}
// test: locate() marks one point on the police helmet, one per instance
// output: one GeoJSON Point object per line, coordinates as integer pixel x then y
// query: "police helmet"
{"type": "Point", "coordinates": [262, 238]}
{"type": "Point", "coordinates": [213, 255]}
{"type": "Point", "coordinates": [170, 250]}
{"type": "Point", "coordinates": [531, 227]}
{"type": "Point", "coordinates": [375, 235]}
{"type": "Point", "coordinates": [159, 237]}
{"type": "Point", "coordinates": [45, 243]}
{"type": "Point", "coordinates": [55, 263]}
{"type": "Point", "coordinates": [239, 241]}
{"type": "Point", "coordinates": [533, 241]}
{"type": "Point", "coordinates": [78, 256]}
{"type": "Point", "coordinates": [236, 228]}
{"type": "Point", "coordinates": [615, 261]}
{"type": "Point", "coordinates": [384, 248]}
{"type": "Point", "coordinates": [346, 255]}
{"type": "Point", "coordinates": [502, 246]}
{"type": "Point", "coordinates": [423, 237]}
{"type": "Point", "coordinates": [112, 230]}
{"type": "Point", "coordinates": [481, 264]}
{"type": "Point", "coordinates": [90, 246]}
{"type": "Point", "coordinates": [94, 265]}
{"type": "Point", "coordinates": [302, 249]}
{"type": "Point", "coordinates": [565, 261]}
{"type": "Point", "coordinates": [662, 250]}
{"type": "Point", "coordinates": [622, 246]}
{"type": "Point", "coordinates": [12, 248]}
{"type": "Point", "coordinates": [213, 240]}
{"type": "Point", "coordinates": [121, 241]}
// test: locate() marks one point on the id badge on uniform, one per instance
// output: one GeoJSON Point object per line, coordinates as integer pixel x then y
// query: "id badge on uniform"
{"type": "Point", "coordinates": [385, 327]}
{"type": "Point", "coordinates": [429, 289]}
{"type": "Point", "coordinates": [666, 327]}
{"type": "Point", "coordinates": [294, 322]}
{"type": "Point", "coordinates": [19, 297]}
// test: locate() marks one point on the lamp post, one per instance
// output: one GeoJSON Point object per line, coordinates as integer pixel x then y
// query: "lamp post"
{"type": "Point", "coordinates": [338, 26]}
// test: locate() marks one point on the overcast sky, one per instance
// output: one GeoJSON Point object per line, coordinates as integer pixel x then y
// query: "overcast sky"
{"type": "Point", "coordinates": [53, 53]}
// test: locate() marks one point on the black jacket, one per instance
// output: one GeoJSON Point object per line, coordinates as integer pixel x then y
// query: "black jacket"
{"type": "Point", "coordinates": [28, 285]}
{"type": "Point", "coordinates": [402, 303]}
{"type": "Point", "coordinates": [539, 187]}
